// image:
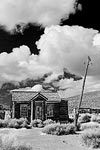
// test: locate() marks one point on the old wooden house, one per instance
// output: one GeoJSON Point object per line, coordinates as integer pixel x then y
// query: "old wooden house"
{"type": "Point", "coordinates": [38, 105]}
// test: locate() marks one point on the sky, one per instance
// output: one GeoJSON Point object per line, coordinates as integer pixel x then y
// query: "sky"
{"type": "Point", "coordinates": [44, 37]}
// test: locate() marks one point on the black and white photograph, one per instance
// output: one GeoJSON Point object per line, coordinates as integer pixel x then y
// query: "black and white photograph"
{"type": "Point", "coordinates": [49, 75]}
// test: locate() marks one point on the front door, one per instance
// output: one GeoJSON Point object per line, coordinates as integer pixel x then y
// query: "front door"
{"type": "Point", "coordinates": [39, 110]}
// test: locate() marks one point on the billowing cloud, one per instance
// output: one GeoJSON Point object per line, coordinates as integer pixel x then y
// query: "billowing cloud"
{"type": "Point", "coordinates": [20, 64]}
{"type": "Point", "coordinates": [42, 12]}
{"type": "Point", "coordinates": [69, 47]}
{"type": "Point", "coordinates": [60, 47]}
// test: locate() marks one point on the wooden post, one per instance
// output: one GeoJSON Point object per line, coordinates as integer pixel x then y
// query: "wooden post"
{"type": "Point", "coordinates": [77, 113]}
{"type": "Point", "coordinates": [31, 110]}
{"type": "Point", "coordinates": [13, 110]}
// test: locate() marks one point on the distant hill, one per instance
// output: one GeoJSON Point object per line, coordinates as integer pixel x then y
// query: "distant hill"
{"type": "Point", "coordinates": [90, 100]}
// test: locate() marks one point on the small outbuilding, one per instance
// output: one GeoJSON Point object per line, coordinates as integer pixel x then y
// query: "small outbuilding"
{"type": "Point", "coordinates": [39, 105]}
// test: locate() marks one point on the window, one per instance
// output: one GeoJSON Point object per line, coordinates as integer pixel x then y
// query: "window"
{"type": "Point", "coordinates": [23, 110]}
{"type": "Point", "coordinates": [50, 112]}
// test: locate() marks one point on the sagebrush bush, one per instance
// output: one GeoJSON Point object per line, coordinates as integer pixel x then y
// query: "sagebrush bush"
{"type": "Point", "coordinates": [36, 123]}
{"type": "Point", "coordinates": [90, 125]}
{"type": "Point", "coordinates": [59, 129]}
{"type": "Point", "coordinates": [14, 123]}
{"type": "Point", "coordinates": [84, 118]}
{"type": "Point", "coordinates": [4, 123]}
{"type": "Point", "coordinates": [91, 138]}
{"type": "Point", "coordinates": [48, 121]}
{"type": "Point", "coordinates": [9, 142]}
{"type": "Point", "coordinates": [22, 120]}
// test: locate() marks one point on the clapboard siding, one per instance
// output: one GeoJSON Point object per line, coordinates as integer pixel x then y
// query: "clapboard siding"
{"type": "Point", "coordinates": [63, 110]}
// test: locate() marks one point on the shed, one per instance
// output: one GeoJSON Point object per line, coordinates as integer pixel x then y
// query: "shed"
{"type": "Point", "coordinates": [38, 105]}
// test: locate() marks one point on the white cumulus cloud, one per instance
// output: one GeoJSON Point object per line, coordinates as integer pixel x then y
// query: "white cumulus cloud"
{"type": "Point", "coordinates": [42, 12]}
{"type": "Point", "coordinates": [69, 47]}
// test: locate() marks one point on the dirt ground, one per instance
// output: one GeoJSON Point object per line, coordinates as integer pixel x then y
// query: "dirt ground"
{"type": "Point", "coordinates": [40, 141]}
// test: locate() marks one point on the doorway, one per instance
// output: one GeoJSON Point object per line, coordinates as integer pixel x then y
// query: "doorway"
{"type": "Point", "coordinates": [40, 110]}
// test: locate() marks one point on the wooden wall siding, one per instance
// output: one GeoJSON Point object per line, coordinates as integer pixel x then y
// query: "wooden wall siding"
{"type": "Point", "coordinates": [63, 110]}
{"type": "Point", "coordinates": [13, 109]}
{"type": "Point", "coordinates": [29, 111]}
{"type": "Point", "coordinates": [17, 110]}
{"type": "Point", "coordinates": [56, 111]}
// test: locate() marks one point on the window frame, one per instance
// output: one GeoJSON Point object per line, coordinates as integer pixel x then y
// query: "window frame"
{"type": "Point", "coordinates": [25, 111]}
{"type": "Point", "coordinates": [50, 110]}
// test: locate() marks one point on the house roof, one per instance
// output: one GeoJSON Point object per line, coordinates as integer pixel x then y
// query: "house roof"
{"type": "Point", "coordinates": [18, 95]}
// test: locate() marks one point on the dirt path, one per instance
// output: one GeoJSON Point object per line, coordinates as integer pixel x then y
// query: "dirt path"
{"type": "Point", "coordinates": [41, 141]}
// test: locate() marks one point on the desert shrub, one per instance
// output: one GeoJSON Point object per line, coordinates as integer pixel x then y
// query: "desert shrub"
{"type": "Point", "coordinates": [59, 129]}
{"type": "Point", "coordinates": [90, 125]}
{"type": "Point", "coordinates": [91, 138]}
{"type": "Point", "coordinates": [84, 118]}
{"type": "Point", "coordinates": [21, 120]}
{"type": "Point", "coordinates": [26, 125]}
{"type": "Point", "coordinates": [1, 123]}
{"type": "Point", "coordinates": [4, 123]}
{"type": "Point", "coordinates": [36, 123]}
{"type": "Point", "coordinates": [48, 121]}
{"type": "Point", "coordinates": [13, 123]}
{"type": "Point", "coordinates": [40, 125]}
{"type": "Point", "coordinates": [9, 142]}
{"type": "Point", "coordinates": [22, 123]}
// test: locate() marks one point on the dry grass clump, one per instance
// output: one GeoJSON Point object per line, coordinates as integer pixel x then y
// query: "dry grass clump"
{"type": "Point", "coordinates": [9, 142]}
{"type": "Point", "coordinates": [59, 129]}
{"type": "Point", "coordinates": [91, 138]}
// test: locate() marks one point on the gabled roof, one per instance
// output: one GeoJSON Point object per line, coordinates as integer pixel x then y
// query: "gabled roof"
{"type": "Point", "coordinates": [18, 95]}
